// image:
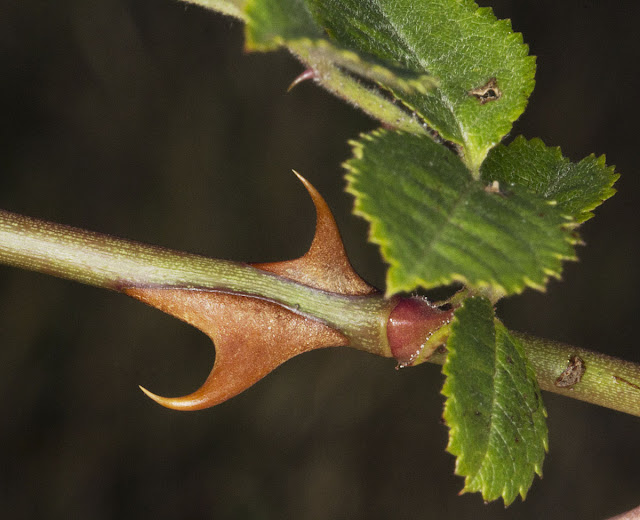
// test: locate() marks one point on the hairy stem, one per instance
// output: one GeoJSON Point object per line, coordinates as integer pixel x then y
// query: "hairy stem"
{"type": "Point", "coordinates": [118, 264]}
{"type": "Point", "coordinates": [341, 84]}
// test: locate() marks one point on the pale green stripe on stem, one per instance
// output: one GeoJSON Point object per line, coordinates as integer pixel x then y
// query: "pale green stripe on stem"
{"type": "Point", "coordinates": [117, 264]}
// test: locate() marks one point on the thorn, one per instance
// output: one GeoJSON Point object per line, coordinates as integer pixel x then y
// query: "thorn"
{"type": "Point", "coordinates": [325, 265]}
{"type": "Point", "coordinates": [158, 399]}
{"type": "Point", "coordinates": [195, 401]}
{"type": "Point", "coordinates": [252, 337]}
{"type": "Point", "coordinates": [167, 402]}
{"type": "Point", "coordinates": [307, 74]}
{"type": "Point", "coordinates": [149, 394]}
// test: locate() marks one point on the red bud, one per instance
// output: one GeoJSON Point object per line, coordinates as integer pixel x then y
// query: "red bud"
{"type": "Point", "coordinates": [411, 323]}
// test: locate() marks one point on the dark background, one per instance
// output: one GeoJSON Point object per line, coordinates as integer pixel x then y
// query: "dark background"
{"type": "Point", "coordinates": [145, 119]}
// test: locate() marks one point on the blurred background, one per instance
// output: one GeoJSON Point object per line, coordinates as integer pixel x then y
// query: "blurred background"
{"type": "Point", "coordinates": [145, 119]}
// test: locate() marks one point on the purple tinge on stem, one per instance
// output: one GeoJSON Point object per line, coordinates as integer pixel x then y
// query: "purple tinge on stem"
{"type": "Point", "coordinates": [253, 335]}
{"type": "Point", "coordinates": [307, 74]}
{"type": "Point", "coordinates": [411, 324]}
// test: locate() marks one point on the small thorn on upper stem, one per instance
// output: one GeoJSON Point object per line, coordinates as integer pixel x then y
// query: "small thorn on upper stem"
{"type": "Point", "coordinates": [307, 74]}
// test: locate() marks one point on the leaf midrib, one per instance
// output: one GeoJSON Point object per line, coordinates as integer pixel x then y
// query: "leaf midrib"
{"type": "Point", "coordinates": [493, 406]}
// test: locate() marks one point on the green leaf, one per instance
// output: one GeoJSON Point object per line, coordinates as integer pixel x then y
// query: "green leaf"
{"type": "Point", "coordinates": [483, 70]}
{"type": "Point", "coordinates": [275, 23]}
{"type": "Point", "coordinates": [463, 46]}
{"type": "Point", "coordinates": [494, 410]}
{"type": "Point", "coordinates": [485, 75]}
{"type": "Point", "coordinates": [577, 188]}
{"type": "Point", "coordinates": [436, 224]}
{"type": "Point", "coordinates": [229, 7]}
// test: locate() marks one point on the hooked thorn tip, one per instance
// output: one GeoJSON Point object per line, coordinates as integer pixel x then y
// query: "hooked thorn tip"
{"type": "Point", "coordinates": [307, 74]}
{"type": "Point", "coordinates": [149, 394]}
{"type": "Point", "coordinates": [175, 403]}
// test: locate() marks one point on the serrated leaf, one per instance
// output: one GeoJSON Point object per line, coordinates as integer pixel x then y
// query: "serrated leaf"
{"type": "Point", "coordinates": [273, 23]}
{"type": "Point", "coordinates": [494, 410]}
{"type": "Point", "coordinates": [289, 23]}
{"type": "Point", "coordinates": [436, 224]}
{"type": "Point", "coordinates": [484, 74]}
{"type": "Point", "coordinates": [464, 46]}
{"type": "Point", "coordinates": [577, 188]}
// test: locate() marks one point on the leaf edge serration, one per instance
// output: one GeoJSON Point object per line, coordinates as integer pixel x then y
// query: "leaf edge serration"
{"type": "Point", "coordinates": [396, 282]}
{"type": "Point", "coordinates": [605, 191]}
{"type": "Point", "coordinates": [455, 443]}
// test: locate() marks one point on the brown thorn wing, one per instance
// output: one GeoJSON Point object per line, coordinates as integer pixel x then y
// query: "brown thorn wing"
{"type": "Point", "coordinates": [325, 266]}
{"type": "Point", "coordinates": [252, 337]}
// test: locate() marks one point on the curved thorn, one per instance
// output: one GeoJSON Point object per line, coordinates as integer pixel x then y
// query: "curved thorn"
{"type": "Point", "coordinates": [307, 74]}
{"type": "Point", "coordinates": [327, 232]}
{"type": "Point", "coordinates": [209, 394]}
{"type": "Point", "coordinates": [251, 336]}
{"type": "Point", "coordinates": [168, 402]}
{"type": "Point", "coordinates": [158, 399]}
{"type": "Point", "coordinates": [327, 255]}
{"type": "Point", "coordinates": [188, 403]}
{"type": "Point", "coordinates": [224, 382]}
{"type": "Point", "coordinates": [325, 265]}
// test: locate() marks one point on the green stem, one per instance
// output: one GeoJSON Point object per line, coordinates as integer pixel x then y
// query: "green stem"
{"type": "Point", "coordinates": [606, 381]}
{"type": "Point", "coordinates": [341, 84]}
{"type": "Point", "coordinates": [117, 264]}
